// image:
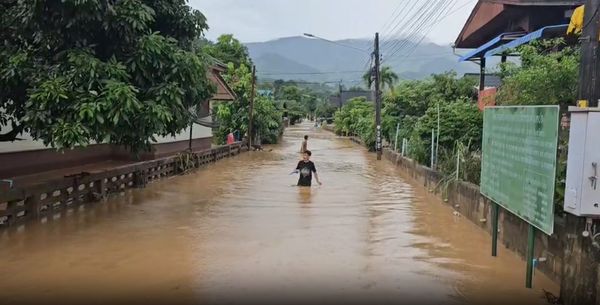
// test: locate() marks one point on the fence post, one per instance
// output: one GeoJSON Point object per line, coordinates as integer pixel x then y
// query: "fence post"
{"type": "Point", "coordinates": [396, 142]}
{"type": "Point", "coordinates": [101, 189]}
{"type": "Point", "coordinates": [32, 204]}
{"type": "Point", "coordinates": [139, 180]}
{"type": "Point", "coordinates": [457, 162]}
{"type": "Point", "coordinates": [437, 139]}
{"type": "Point", "coordinates": [432, 149]}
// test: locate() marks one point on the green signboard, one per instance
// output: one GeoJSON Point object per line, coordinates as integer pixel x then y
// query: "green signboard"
{"type": "Point", "coordinates": [519, 161]}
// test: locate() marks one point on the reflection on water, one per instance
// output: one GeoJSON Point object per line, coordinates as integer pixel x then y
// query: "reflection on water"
{"type": "Point", "coordinates": [239, 230]}
{"type": "Point", "coordinates": [304, 195]}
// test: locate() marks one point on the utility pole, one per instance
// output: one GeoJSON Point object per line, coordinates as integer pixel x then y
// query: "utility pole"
{"type": "Point", "coordinates": [589, 79]}
{"type": "Point", "coordinates": [378, 98]}
{"type": "Point", "coordinates": [251, 118]}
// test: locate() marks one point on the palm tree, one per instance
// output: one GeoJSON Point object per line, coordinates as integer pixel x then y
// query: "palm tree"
{"type": "Point", "coordinates": [387, 76]}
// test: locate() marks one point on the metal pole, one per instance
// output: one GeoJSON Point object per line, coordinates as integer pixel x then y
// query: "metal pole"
{"type": "Point", "coordinates": [377, 98]}
{"type": "Point", "coordinates": [397, 131]}
{"type": "Point", "coordinates": [403, 146]}
{"type": "Point", "coordinates": [482, 75]}
{"type": "Point", "coordinates": [495, 215]}
{"type": "Point", "coordinates": [437, 139]}
{"type": "Point", "coordinates": [530, 253]}
{"type": "Point", "coordinates": [457, 162]}
{"type": "Point", "coordinates": [251, 117]}
{"type": "Point", "coordinates": [432, 146]}
{"type": "Point", "coordinates": [589, 80]}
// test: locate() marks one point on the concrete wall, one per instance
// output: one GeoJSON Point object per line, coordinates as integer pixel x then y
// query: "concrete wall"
{"type": "Point", "coordinates": [571, 259]}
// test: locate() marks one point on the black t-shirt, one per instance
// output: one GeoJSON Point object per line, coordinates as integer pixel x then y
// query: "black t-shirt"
{"type": "Point", "coordinates": [306, 169]}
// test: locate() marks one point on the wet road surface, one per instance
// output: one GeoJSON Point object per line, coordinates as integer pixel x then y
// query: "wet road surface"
{"type": "Point", "coordinates": [239, 230]}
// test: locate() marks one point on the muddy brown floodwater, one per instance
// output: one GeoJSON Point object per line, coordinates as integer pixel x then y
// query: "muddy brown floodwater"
{"type": "Point", "coordinates": [239, 230]}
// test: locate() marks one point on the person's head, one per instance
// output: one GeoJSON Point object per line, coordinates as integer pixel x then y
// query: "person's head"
{"type": "Point", "coordinates": [305, 137]}
{"type": "Point", "coordinates": [306, 155]}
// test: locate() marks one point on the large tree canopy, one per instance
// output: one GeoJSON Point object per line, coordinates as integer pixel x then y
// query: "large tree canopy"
{"type": "Point", "coordinates": [74, 72]}
{"type": "Point", "coordinates": [229, 50]}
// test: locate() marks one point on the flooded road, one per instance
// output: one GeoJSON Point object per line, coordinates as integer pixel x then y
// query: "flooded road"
{"type": "Point", "coordinates": [239, 230]}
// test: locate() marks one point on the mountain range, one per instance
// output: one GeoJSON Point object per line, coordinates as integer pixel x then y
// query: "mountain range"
{"type": "Point", "coordinates": [317, 60]}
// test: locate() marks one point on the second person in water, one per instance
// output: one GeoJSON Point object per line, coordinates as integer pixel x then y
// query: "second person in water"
{"type": "Point", "coordinates": [304, 146]}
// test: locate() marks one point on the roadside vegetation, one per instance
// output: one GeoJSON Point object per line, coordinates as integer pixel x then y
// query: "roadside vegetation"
{"type": "Point", "coordinates": [546, 74]}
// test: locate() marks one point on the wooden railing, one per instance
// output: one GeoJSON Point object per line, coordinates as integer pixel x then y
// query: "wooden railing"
{"type": "Point", "coordinates": [54, 196]}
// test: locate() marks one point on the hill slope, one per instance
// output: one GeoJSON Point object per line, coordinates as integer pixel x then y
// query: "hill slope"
{"type": "Point", "coordinates": [301, 58]}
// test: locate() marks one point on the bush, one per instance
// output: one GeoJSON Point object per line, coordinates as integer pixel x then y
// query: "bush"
{"type": "Point", "coordinates": [548, 75]}
{"type": "Point", "coordinates": [357, 117]}
{"type": "Point", "coordinates": [460, 121]}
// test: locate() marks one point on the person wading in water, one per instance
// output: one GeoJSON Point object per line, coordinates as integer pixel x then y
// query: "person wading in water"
{"type": "Point", "coordinates": [306, 168]}
{"type": "Point", "coordinates": [304, 146]}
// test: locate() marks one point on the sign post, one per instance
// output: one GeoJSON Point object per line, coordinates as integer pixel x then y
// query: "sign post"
{"type": "Point", "coordinates": [530, 258]}
{"type": "Point", "coordinates": [519, 167]}
{"type": "Point", "coordinates": [495, 215]}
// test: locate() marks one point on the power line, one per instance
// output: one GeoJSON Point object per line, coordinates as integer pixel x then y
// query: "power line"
{"type": "Point", "coordinates": [442, 18]}
{"type": "Point", "coordinates": [433, 13]}
{"type": "Point", "coordinates": [406, 35]}
{"type": "Point", "coordinates": [415, 28]}
{"type": "Point", "coordinates": [437, 21]}
{"type": "Point", "coordinates": [402, 25]}
{"type": "Point", "coordinates": [419, 31]}
{"type": "Point", "coordinates": [336, 43]}
{"type": "Point", "coordinates": [393, 17]}
{"type": "Point", "coordinates": [385, 29]}
{"type": "Point", "coordinates": [427, 31]}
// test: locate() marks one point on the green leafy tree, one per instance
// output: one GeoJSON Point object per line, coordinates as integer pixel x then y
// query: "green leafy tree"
{"type": "Point", "coordinates": [233, 116]}
{"type": "Point", "coordinates": [357, 117]}
{"type": "Point", "coordinates": [74, 72]}
{"type": "Point", "coordinates": [460, 121]}
{"type": "Point", "coordinates": [410, 100]}
{"type": "Point", "coordinates": [325, 109]}
{"type": "Point", "coordinates": [548, 75]}
{"type": "Point", "coordinates": [294, 110]}
{"type": "Point", "coordinates": [295, 102]}
{"type": "Point", "coordinates": [229, 50]}
{"type": "Point", "coordinates": [268, 120]}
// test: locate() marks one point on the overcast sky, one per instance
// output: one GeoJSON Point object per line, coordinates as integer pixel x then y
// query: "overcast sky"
{"type": "Point", "coordinates": [262, 20]}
